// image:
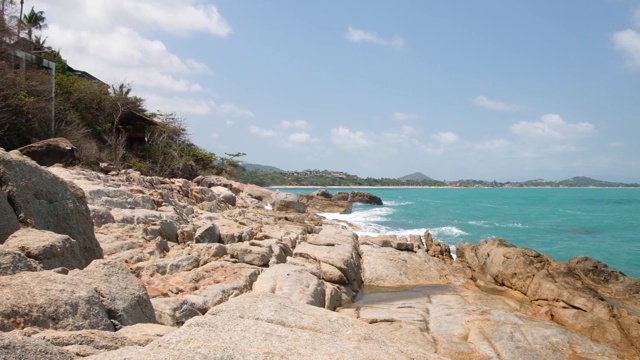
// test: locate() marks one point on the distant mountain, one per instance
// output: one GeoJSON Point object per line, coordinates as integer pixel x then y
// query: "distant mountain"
{"type": "Point", "coordinates": [415, 176]}
{"type": "Point", "coordinates": [261, 168]}
{"type": "Point", "coordinates": [583, 181]}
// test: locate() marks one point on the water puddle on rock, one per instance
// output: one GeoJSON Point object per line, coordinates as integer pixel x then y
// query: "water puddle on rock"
{"type": "Point", "coordinates": [382, 295]}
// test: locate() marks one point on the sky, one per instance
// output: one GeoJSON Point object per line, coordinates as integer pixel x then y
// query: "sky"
{"type": "Point", "coordinates": [491, 90]}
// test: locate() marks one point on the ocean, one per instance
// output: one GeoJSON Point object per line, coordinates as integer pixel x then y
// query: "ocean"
{"type": "Point", "coordinates": [603, 223]}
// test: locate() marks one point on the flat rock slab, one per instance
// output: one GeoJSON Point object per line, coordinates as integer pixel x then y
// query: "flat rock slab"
{"type": "Point", "coordinates": [267, 326]}
{"type": "Point", "coordinates": [388, 267]}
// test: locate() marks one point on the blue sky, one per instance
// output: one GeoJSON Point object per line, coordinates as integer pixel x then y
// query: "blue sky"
{"type": "Point", "coordinates": [500, 90]}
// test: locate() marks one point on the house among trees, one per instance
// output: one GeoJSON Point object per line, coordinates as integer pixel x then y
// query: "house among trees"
{"type": "Point", "coordinates": [135, 127]}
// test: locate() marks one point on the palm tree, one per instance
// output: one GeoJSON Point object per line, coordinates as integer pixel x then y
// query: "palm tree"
{"type": "Point", "coordinates": [34, 20]}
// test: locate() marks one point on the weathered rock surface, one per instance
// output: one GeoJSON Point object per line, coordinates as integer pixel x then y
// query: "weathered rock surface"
{"type": "Point", "coordinates": [21, 347]}
{"type": "Point", "coordinates": [14, 261]}
{"type": "Point", "coordinates": [50, 301]}
{"type": "Point", "coordinates": [364, 197]}
{"type": "Point", "coordinates": [409, 268]}
{"type": "Point", "coordinates": [52, 151]}
{"type": "Point", "coordinates": [48, 249]}
{"type": "Point", "coordinates": [124, 296]}
{"type": "Point", "coordinates": [59, 207]}
{"type": "Point", "coordinates": [559, 292]}
{"type": "Point", "coordinates": [277, 328]}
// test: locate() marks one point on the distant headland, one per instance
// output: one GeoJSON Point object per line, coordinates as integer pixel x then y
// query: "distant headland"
{"type": "Point", "coordinates": [263, 175]}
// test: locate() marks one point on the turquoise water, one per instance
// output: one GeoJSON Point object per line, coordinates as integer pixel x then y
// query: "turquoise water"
{"type": "Point", "coordinates": [603, 223]}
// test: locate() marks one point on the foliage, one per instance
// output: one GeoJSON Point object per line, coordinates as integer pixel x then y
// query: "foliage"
{"type": "Point", "coordinates": [87, 112]}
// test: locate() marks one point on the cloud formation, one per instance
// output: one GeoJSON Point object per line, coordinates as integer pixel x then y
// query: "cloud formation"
{"type": "Point", "coordinates": [297, 124]}
{"type": "Point", "coordinates": [347, 139]}
{"type": "Point", "coordinates": [446, 138]}
{"type": "Point", "coordinates": [487, 103]}
{"type": "Point", "coordinates": [114, 41]}
{"type": "Point", "coordinates": [358, 35]}
{"type": "Point", "coordinates": [262, 132]}
{"type": "Point", "coordinates": [628, 42]}
{"type": "Point", "coordinates": [553, 127]}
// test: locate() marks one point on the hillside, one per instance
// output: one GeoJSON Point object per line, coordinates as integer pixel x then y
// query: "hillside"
{"type": "Point", "coordinates": [415, 176]}
{"type": "Point", "coordinates": [261, 168]}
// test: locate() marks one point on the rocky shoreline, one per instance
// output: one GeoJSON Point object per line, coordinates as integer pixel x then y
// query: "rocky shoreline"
{"type": "Point", "coordinates": [125, 266]}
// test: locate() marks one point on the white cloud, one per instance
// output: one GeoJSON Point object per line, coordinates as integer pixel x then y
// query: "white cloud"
{"type": "Point", "coordinates": [357, 35]}
{"type": "Point", "coordinates": [553, 127]}
{"type": "Point", "coordinates": [115, 41]}
{"type": "Point", "coordinates": [232, 110]}
{"type": "Point", "coordinates": [617, 144]}
{"type": "Point", "coordinates": [261, 132]}
{"type": "Point", "coordinates": [486, 103]}
{"type": "Point", "coordinates": [297, 124]}
{"type": "Point", "coordinates": [446, 138]}
{"type": "Point", "coordinates": [348, 139]}
{"type": "Point", "coordinates": [628, 42]}
{"type": "Point", "coordinates": [302, 138]}
{"type": "Point", "coordinates": [408, 130]}
{"type": "Point", "coordinates": [400, 116]}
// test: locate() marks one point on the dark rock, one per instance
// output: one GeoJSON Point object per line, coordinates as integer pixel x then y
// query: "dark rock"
{"type": "Point", "coordinates": [364, 198]}
{"type": "Point", "coordinates": [52, 151]}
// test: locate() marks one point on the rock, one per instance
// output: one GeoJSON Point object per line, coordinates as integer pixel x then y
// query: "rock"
{"type": "Point", "coordinates": [606, 280]}
{"type": "Point", "coordinates": [317, 204]}
{"type": "Point", "coordinates": [253, 255]}
{"type": "Point", "coordinates": [52, 151]}
{"type": "Point", "coordinates": [207, 234]}
{"type": "Point", "coordinates": [323, 193]}
{"type": "Point", "coordinates": [364, 197]}
{"type": "Point", "coordinates": [336, 247]}
{"type": "Point", "coordinates": [50, 301]}
{"type": "Point", "coordinates": [14, 261]}
{"type": "Point", "coordinates": [506, 264]}
{"type": "Point", "coordinates": [48, 249]}
{"type": "Point", "coordinates": [297, 283]}
{"type": "Point", "coordinates": [340, 196]}
{"type": "Point", "coordinates": [142, 334]}
{"type": "Point", "coordinates": [21, 347]}
{"type": "Point", "coordinates": [391, 241]}
{"type": "Point", "coordinates": [173, 311]}
{"type": "Point", "coordinates": [124, 296]}
{"type": "Point", "coordinates": [437, 249]}
{"type": "Point", "coordinates": [59, 206]}
{"type": "Point", "coordinates": [10, 223]}
{"type": "Point", "coordinates": [225, 194]}
{"type": "Point", "coordinates": [253, 326]}
{"type": "Point", "coordinates": [386, 266]}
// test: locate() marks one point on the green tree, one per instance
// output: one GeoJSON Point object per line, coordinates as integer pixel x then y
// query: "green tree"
{"type": "Point", "coordinates": [34, 20]}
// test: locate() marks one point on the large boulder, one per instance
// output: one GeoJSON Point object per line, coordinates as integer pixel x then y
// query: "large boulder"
{"type": "Point", "coordinates": [49, 249]}
{"type": "Point", "coordinates": [364, 198]}
{"type": "Point", "coordinates": [297, 283]}
{"type": "Point", "coordinates": [386, 266]}
{"type": "Point", "coordinates": [336, 247]}
{"type": "Point", "coordinates": [41, 200]}
{"type": "Point", "coordinates": [22, 347]}
{"type": "Point", "coordinates": [124, 297]}
{"type": "Point", "coordinates": [50, 301]}
{"type": "Point", "coordinates": [52, 151]}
